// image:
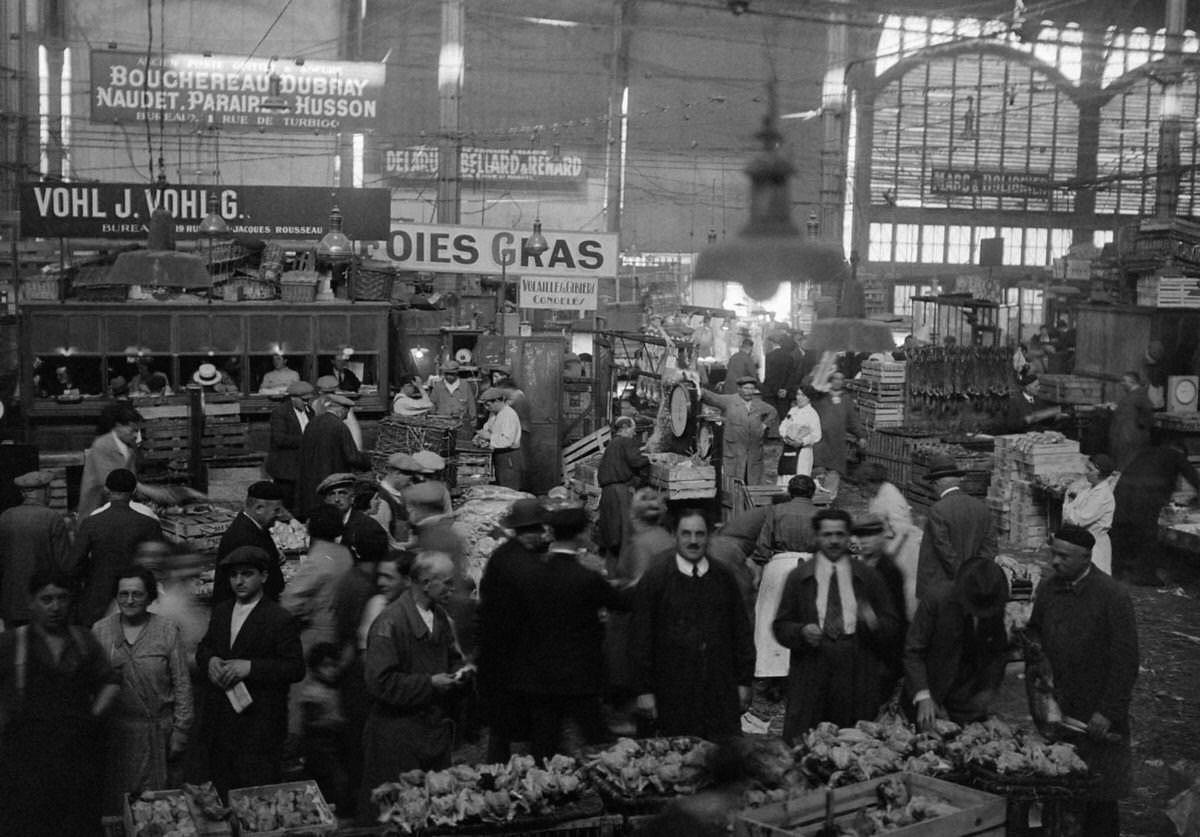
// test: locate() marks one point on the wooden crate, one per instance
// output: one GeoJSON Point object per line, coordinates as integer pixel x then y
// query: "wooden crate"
{"type": "Point", "coordinates": [129, 799]}
{"type": "Point", "coordinates": [1169, 292]}
{"type": "Point", "coordinates": [980, 814]}
{"type": "Point", "coordinates": [328, 823]}
{"type": "Point", "coordinates": [684, 481]}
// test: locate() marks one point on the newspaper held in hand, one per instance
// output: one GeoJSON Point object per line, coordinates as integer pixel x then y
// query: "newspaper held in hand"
{"type": "Point", "coordinates": [239, 697]}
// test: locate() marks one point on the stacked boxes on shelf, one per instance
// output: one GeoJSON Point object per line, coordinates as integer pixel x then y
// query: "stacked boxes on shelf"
{"type": "Point", "coordinates": [1024, 464]}
{"type": "Point", "coordinates": [879, 393]}
{"type": "Point", "coordinates": [977, 465]}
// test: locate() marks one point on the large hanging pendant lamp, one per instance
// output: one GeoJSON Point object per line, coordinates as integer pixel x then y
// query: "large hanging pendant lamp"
{"type": "Point", "coordinates": [335, 246]}
{"type": "Point", "coordinates": [770, 249]}
{"type": "Point", "coordinates": [536, 244]}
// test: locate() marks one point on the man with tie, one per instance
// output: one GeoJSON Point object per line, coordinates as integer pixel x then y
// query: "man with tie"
{"type": "Point", "coordinates": [249, 657]}
{"type": "Point", "coordinates": [691, 645]}
{"type": "Point", "coordinates": [838, 619]}
{"type": "Point", "coordinates": [252, 527]}
{"type": "Point", "coordinates": [288, 421]}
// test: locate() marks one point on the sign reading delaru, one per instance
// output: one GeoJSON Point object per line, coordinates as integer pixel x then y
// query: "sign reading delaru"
{"type": "Point", "coordinates": [228, 91]}
{"type": "Point", "coordinates": [557, 293]}
{"type": "Point", "coordinates": [122, 210]}
{"type": "Point", "coordinates": [456, 249]}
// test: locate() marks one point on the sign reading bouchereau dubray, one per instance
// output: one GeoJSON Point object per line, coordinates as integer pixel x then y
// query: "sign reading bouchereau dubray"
{"type": "Point", "coordinates": [510, 165]}
{"type": "Point", "coordinates": [227, 91]}
{"type": "Point", "coordinates": [451, 249]}
{"type": "Point", "coordinates": [122, 210]}
{"type": "Point", "coordinates": [989, 183]}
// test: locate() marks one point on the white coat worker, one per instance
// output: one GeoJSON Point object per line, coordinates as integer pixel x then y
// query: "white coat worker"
{"type": "Point", "coordinates": [501, 434]}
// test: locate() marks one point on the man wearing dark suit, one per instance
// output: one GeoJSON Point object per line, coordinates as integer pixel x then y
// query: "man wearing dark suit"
{"type": "Point", "coordinates": [252, 527]}
{"type": "Point", "coordinates": [337, 490]}
{"type": "Point", "coordinates": [779, 369]}
{"type": "Point", "coordinates": [252, 644]}
{"type": "Point", "coordinates": [104, 545]}
{"type": "Point", "coordinates": [958, 528]}
{"type": "Point", "coordinates": [956, 648]}
{"type": "Point", "coordinates": [327, 447]}
{"type": "Point", "coordinates": [347, 381]}
{"type": "Point", "coordinates": [32, 537]}
{"type": "Point", "coordinates": [288, 421]}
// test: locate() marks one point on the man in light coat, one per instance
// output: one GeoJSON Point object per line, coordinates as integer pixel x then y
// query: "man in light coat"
{"type": "Point", "coordinates": [747, 420]}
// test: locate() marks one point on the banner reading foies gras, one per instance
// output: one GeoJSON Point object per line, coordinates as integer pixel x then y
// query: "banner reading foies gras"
{"type": "Point", "coordinates": [228, 91]}
{"type": "Point", "coordinates": [122, 210]}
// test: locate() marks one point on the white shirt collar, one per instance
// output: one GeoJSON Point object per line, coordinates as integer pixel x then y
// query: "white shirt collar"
{"type": "Point", "coordinates": [452, 386]}
{"type": "Point", "coordinates": [823, 570]}
{"type": "Point", "coordinates": [685, 566]}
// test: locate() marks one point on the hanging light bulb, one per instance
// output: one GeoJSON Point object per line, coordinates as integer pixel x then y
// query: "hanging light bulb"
{"type": "Point", "coordinates": [769, 249]}
{"type": "Point", "coordinates": [213, 224]}
{"type": "Point", "coordinates": [274, 101]}
{"type": "Point", "coordinates": [334, 245]}
{"type": "Point", "coordinates": [536, 244]}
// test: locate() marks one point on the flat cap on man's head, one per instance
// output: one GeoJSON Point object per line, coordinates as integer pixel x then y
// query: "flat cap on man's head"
{"type": "Point", "coordinates": [340, 400]}
{"type": "Point", "coordinates": [121, 480]}
{"type": "Point", "coordinates": [341, 480]}
{"type": "Point", "coordinates": [429, 461]}
{"type": "Point", "coordinates": [247, 556]}
{"type": "Point", "coordinates": [34, 479]}
{"type": "Point", "coordinates": [265, 490]}
{"type": "Point", "coordinates": [746, 379]}
{"type": "Point", "coordinates": [404, 462]}
{"type": "Point", "coordinates": [327, 383]}
{"type": "Point", "coordinates": [493, 394]}
{"type": "Point", "coordinates": [300, 388]}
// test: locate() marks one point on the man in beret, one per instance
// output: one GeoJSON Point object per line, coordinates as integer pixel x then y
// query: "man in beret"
{"type": "Point", "coordinates": [105, 544]}
{"type": "Point", "coordinates": [252, 527]}
{"type": "Point", "coordinates": [747, 420]}
{"type": "Point", "coordinates": [338, 490]}
{"type": "Point", "coordinates": [327, 447]}
{"type": "Point", "coordinates": [288, 421]}
{"type": "Point", "coordinates": [956, 649]}
{"type": "Point", "coordinates": [1085, 623]}
{"type": "Point", "coordinates": [958, 527]}
{"type": "Point", "coordinates": [502, 434]}
{"type": "Point", "coordinates": [454, 397]}
{"type": "Point", "coordinates": [32, 536]}
{"type": "Point", "coordinates": [252, 649]}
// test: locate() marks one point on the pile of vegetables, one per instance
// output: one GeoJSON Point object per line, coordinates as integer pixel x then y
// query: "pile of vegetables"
{"type": "Point", "coordinates": [491, 793]}
{"type": "Point", "coordinates": [897, 809]}
{"type": "Point", "coordinates": [475, 522]}
{"type": "Point", "coordinates": [837, 757]}
{"type": "Point", "coordinates": [161, 815]}
{"type": "Point", "coordinates": [207, 801]}
{"type": "Point", "coordinates": [283, 807]}
{"type": "Point", "coordinates": [653, 766]}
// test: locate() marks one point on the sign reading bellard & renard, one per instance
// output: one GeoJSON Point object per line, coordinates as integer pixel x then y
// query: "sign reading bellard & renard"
{"type": "Point", "coordinates": [512, 165]}
{"type": "Point", "coordinates": [122, 210]}
{"type": "Point", "coordinates": [228, 91]}
{"type": "Point", "coordinates": [449, 249]}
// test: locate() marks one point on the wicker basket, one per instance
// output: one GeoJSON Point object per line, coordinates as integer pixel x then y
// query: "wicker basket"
{"type": "Point", "coordinates": [42, 288]}
{"type": "Point", "coordinates": [245, 287]}
{"type": "Point", "coordinates": [270, 268]}
{"type": "Point", "coordinates": [409, 434]}
{"type": "Point", "coordinates": [372, 280]}
{"type": "Point", "coordinates": [299, 286]}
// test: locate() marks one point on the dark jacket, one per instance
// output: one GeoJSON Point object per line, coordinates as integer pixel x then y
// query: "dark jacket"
{"type": "Point", "coordinates": [283, 457]}
{"type": "Point", "coordinates": [245, 532]}
{"type": "Point", "coordinates": [103, 547]}
{"type": "Point", "coordinates": [1130, 426]}
{"type": "Point", "coordinates": [326, 448]}
{"type": "Point", "coordinates": [787, 528]}
{"type": "Point", "coordinates": [32, 537]}
{"type": "Point", "coordinates": [357, 525]}
{"type": "Point", "coordinates": [559, 647]}
{"type": "Point", "coordinates": [409, 725]}
{"type": "Point", "coordinates": [959, 664]}
{"type": "Point", "coordinates": [691, 644]}
{"type": "Point", "coordinates": [270, 640]}
{"type": "Point", "coordinates": [957, 529]}
{"type": "Point", "coordinates": [838, 421]}
{"type": "Point", "coordinates": [502, 612]}
{"type": "Point", "coordinates": [779, 371]}
{"type": "Point", "coordinates": [1147, 483]}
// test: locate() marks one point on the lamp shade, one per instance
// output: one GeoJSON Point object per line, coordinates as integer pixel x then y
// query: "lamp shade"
{"type": "Point", "coordinates": [537, 244]}
{"type": "Point", "coordinates": [159, 266]}
{"type": "Point", "coordinates": [213, 224]}
{"type": "Point", "coordinates": [335, 246]}
{"type": "Point", "coordinates": [848, 334]}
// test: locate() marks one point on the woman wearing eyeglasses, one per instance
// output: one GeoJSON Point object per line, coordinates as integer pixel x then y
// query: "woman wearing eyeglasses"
{"type": "Point", "coordinates": [150, 721]}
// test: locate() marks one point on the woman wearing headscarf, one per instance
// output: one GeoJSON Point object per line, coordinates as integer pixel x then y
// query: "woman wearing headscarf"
{"type": "Point", "coordinates": [1090, 505]}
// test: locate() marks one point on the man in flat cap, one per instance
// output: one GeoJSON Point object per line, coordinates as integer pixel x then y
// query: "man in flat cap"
{"type": "Point", "coordinates": [1085, 623]}
{"type": "Point", "coordinates": [105, 544]}
{"type": "Point", "coordinates": [958, 528]}
{"type": "Point", "coordinates": [338, 490]}
{"type": "Point", "coordinates": [747, 420]}
{"type": "Point", "coordinates": [327, 385]}
{"type": "Point", "coordinates": [288, 421]}
{"type": "Point", "coordinates": [251, 650]}
{"type": "Point", "coordinates": [502, 434]}
{"type": "Point", "coordinates": [32, 536]}
{"type": "Point", "coordinates": [327, 447]}
{"type": "Point", "coordinates": [252, 527]}
{"type": "Point", "coordinates": [433, 467]}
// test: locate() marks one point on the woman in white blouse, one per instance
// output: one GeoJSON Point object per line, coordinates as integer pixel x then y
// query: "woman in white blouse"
{"type": "Point", "coordinates": [800, 430]}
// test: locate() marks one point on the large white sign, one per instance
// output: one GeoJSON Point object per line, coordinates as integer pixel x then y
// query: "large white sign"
{"type": "Point", "coordinates": [557, 293]}
{"type": "Point", "coordinates": [447, 249]}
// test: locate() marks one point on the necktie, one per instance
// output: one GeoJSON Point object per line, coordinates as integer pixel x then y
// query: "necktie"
{"type": "Point", "coordinates": [696, 570]}
{"type": "Point", "coordinates": [834, 626]}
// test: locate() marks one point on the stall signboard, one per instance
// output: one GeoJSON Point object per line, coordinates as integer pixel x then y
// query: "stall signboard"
{"type": "Point", "coordinates": [558, 293]}
{"type": "Point", "coordinates": [977, 182]}
{"type": "Point", "coordinates": [122, 210]}
{"type": "Point", "coordinates": [508, 165]}
{"type": "Point", "coordinates": [229, 91]}
{"type": "Point", "coordinates": [456, 249]}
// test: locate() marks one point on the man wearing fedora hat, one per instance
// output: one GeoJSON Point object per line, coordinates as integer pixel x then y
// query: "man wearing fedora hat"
{"type": "Point", "coordinates": [956, 649]}
{"type": "Point", "coordinates": [32, 535]}
{"type": "Point", "coordinates": [958, 528]}
{"type": "Point", "coordinates": [452, 396]}
{"type": "Point", "coordinates": [327, 447]}
{"type": "Point", "coordinates": [288, 422]}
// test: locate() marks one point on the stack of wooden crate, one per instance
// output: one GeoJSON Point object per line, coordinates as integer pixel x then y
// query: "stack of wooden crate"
{"type": "Point", "coordinates": [879, 393]}
{"type": "Point", "coordinates": [1019, 507]}
{"type": "Point", "coordinates": [976, 465]}
{"type": "Point", "coordinates": [891, 447]}
{"type": "Point", "coordinates": [1070, 389]}
{"type": "Point", "coordinates": [164, 439]}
